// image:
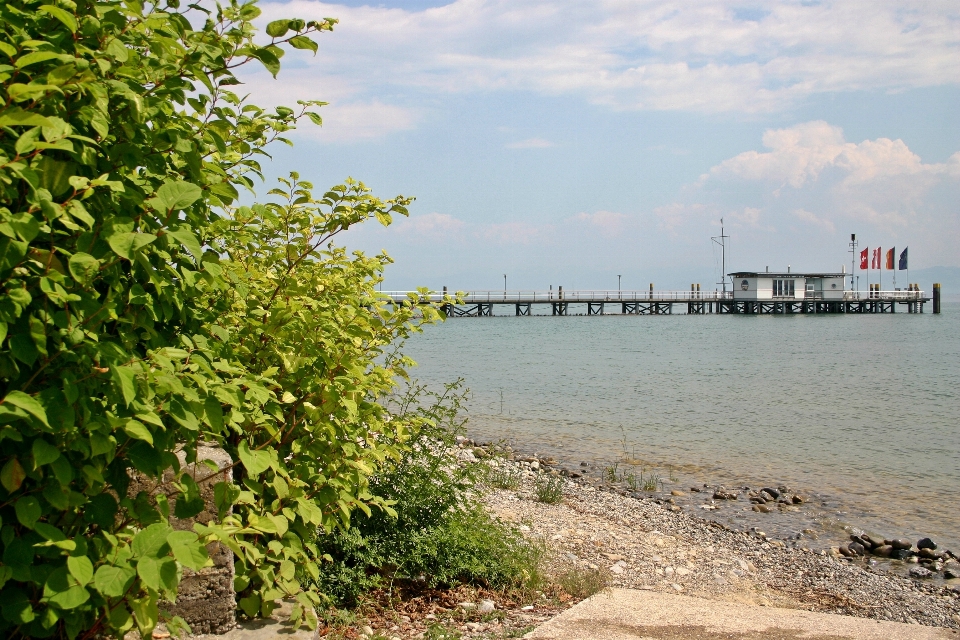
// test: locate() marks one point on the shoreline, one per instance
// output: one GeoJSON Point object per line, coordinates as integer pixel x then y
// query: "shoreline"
{"type": "Point", "coordinates": [647, 545]}
{"type": "Point", "coordinates": [820, 521]}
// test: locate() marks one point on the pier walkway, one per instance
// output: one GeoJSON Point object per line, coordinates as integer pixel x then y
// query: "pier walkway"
{"type": "Point", "coordinates": [650, 302]}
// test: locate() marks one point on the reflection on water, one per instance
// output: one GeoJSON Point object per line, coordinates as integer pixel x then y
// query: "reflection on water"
{"type": "Point", "coordinates": [863, 409]}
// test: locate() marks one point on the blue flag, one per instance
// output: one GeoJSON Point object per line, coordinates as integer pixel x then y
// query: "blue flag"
{"type": "Point", "coordinates": [903, 260]}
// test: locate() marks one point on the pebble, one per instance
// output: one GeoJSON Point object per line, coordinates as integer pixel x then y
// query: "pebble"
{"type": "Point", "coordinates": [366, 630]}
{"type": "Point", "coordinates": [926, 543]}
{"type": "Point", "coordinates": [659, 545]}
{"type": "Point", "coordinates": [900, 543]}
{"type": "Point", "coordinates": [468, 606]}
{"type": "Point", "coordinates": [486, 606]}
{"type": "Point", "coordinates": [920, 572]}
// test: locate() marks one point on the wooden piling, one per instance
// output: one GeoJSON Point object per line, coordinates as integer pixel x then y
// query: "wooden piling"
{"type": "Point", "coordinates": [936, 297]}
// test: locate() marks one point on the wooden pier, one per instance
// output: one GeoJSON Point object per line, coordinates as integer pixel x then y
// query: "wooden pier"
{"type": "Point", "coordinates": [478, 304]}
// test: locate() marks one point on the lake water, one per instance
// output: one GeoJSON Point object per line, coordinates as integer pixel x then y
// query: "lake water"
{"type": "Point", "coordinates": [861, 411]}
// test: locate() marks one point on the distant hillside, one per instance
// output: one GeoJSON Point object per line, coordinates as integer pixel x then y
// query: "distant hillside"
{"type": "Point", "coordinates": [948, 277]}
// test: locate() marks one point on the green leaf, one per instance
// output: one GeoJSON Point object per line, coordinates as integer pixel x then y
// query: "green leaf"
{"type": "Point", "coordinates": [29, 404]}
{"type": "Point", "coordinates": [67, 19]}
{"type": "Point", "coordinates": [126, 244]}
{"type": "Point", "coordinates": [83, 267]}
{"type": "Point", "coordinates": [35, 57]}
{"type": "Point", "coordinates": [255, 462]}
{"type": "Point", "coordinates": [303, 42]}
{"type": "Point", "coordinates": [62, 590]}
{"type": "Point", "coordinates": [55, 175]}
{"type": "Point", "coordinates": [269, 60]}
{"type": "Point", "coordinates": [12, 475]}
{"type": "Point", "coordinates": [190, 502]}
{"type": "Point", "coordinates": [175, 195]}
{"type": "Point", "coordinates": [250, 605]}
{"type": "Point", "coordinates": [44, 453]}
{"type": "Point", "coordinates": [187, 549]}
{"type": "Point", "coordinates": [28, 511]}
{"type": "Point", "coordinates": [278, 28]}
{"type": "Point", "coordinates": [146, 614]}
{"type": "Point", "coordinates": [80, 568]}
{"type": "Point", "coordinates": [113, 581]}
{"type": "Point", "coordinates": [160, 574]}
{"type": "Point", "coordinates": [137, 430]}
{"type": "Point", "coordinates": [125, 378]}
{"type": "Point", "coordinates": [17, 117]}
{"type": "Point", "coordinates": [188, 239]}
{"type": "Point", "coordinates": [152, 541]}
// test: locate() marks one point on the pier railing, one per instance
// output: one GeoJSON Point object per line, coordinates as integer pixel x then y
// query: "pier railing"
{"type": "Point", "coordinates": [530, 296]}
{"type": "Point", "coordinates": [533, 296]}
{"type": "Point", "coordinates": [897, 296]}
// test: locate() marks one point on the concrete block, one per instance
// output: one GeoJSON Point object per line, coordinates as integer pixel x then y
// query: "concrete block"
{"type": "Point", "coordinates": [205, 598]}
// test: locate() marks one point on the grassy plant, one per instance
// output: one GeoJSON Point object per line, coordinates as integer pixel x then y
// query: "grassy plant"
{"type": "Point", "coordinates": [504, 476]}
{"type": "Point", "coordinates": [673, 477]}
{"type": "Point", "coordinates": [548, 489]}
{"type": "Point", "coordinates": [440, 632]}
{"type": "Point", "coordinates": [612, 472]}
{"type": "Point", "coordinates": [650, 482]}
{"type": "Point", "coordinates": [583, 582]}
{"type": "Point", "coordinates": [632, 481]}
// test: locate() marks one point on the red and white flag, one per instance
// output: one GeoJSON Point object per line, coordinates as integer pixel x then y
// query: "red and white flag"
{"type": "Point", "coordinates": [863, 259]}
{"type": "Point", "coordinates": [875, 260]}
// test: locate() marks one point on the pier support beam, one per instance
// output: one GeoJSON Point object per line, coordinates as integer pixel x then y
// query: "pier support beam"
{"type": "Point", "coordinates": [594, 308]}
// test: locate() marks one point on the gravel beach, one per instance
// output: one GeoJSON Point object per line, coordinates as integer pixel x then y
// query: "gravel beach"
{"type": "Point", "coordinates": [646, 545]}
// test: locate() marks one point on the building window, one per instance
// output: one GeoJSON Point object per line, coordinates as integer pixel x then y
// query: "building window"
{"type": "Point", "coordinates": [783, 288]}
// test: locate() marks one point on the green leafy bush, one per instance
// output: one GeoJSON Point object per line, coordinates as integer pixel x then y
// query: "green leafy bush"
{"type": "Point", "coordinates": [142, 312]}
{"type": "Point", "coordinates": [441, 534]}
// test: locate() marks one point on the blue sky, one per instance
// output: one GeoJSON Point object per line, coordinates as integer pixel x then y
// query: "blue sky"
{"type": "Point", "coordinates": [566, 143]}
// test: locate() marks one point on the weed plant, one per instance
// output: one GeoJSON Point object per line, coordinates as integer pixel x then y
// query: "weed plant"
{"type": "Point", "coordinates": [583, 583]}
{"type": "Point", "coordinates": [439, 534]}
{"type": "Point", "coordinates": [504, 476]}
{"type": "Point", "coordinates": [548, 489]}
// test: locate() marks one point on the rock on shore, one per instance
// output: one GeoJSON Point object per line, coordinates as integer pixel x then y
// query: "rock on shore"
{"type": "Point", "coordinates": [644, 545]}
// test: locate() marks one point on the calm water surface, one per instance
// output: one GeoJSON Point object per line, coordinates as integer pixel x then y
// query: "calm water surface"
{"type": "Point", "coordinates": [862, 410]}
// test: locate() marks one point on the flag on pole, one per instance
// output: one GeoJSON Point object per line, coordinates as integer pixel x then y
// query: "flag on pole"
{"type": "Point", "coordinates": [903, 259]}
{"type": "Point", "coordinates": [875, 258]}
{"type": "Point", "coordinates": [863, 259]}
{"type": "Point", "coordinates": [889, 265]}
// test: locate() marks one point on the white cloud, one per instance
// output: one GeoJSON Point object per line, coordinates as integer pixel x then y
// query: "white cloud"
{"type": "Point", "coordinates": [513, 232]}
{"type": "Point", "coordinates": [803, 153]}
{"type": "Point", "coordinates": [431, 225]}
{"type": "Point", "coordinates": [530, 143]}
{"type": "Point", "coordinates": [814, 219]}
{"type": "Point", "coordinates": [748, 217]}
{"type": "Point", "coordinates": [810, 181]}
{"type": "Point", "coordinates": [347, 116]}
{"type": "Point", "coordinates": [608, 223]}
{"type": "Point", "coordinates": [647, 54]}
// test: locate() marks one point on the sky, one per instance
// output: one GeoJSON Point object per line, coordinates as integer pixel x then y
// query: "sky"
{"type": "Point", "coordinates": [569, 143]}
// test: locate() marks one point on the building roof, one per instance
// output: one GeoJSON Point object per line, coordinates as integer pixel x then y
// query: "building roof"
{"type": "Point", "coordinates": [784, 274]}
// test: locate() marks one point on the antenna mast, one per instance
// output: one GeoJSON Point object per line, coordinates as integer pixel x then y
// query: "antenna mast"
{"type": "Point", "coordinates": [853, 258]}
{"type": "Point", "coordinates": [720, 240]}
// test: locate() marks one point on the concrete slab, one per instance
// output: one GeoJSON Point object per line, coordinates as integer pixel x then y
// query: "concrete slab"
{"type": "Point", "coordinates": [627, 614]}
